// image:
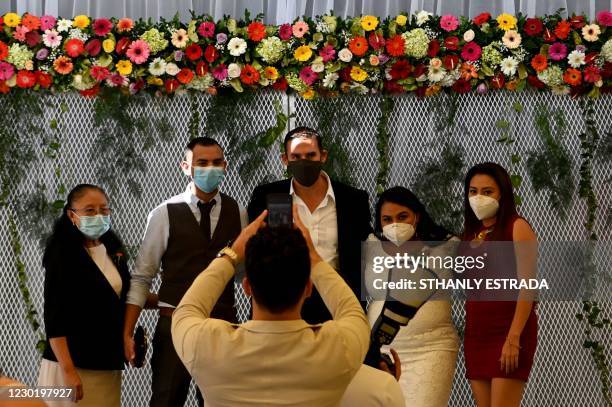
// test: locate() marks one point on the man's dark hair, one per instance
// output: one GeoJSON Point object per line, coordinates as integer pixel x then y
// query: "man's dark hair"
{"type": "Point", "coordinates": [306, 132]}
{"type": "Point", "coordinates": [277, 266]}
{"type": "Point", "coordinates": [202, 141]}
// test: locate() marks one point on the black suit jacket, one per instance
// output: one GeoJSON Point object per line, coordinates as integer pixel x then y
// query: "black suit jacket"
{"type": "Point", "coordinates": [353, 214]}
{"type": "Point", "coordinates": [81, 305]}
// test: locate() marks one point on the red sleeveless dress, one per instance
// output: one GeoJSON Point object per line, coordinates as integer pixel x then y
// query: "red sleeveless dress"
{"type": "Point", "coordinates": [487, 324]}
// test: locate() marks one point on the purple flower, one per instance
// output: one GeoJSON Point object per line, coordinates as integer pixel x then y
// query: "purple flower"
{"type": "Point", "coordinates": [6, 71]}
{"type": "Point", "coordinates": [308, 76]}
{"type": "Point", "coordinates": [220, 72]}
{"type": "Point", "coordinates": [47, 22]}
{"type": "Point", "coordinates": [482, 88]}
{"type": "Point", "coordinates": [383, 58]}
{"type": "Point", "coordinates": [327, 53]}
{"type": "Point", "coordinates": [285, 32]}
{"type": "Point", "coordinates": [178, 55]}
{"type": "Point", "coordinates": [221, 38]}
{"type": "Point", "coordinates": [42, 53]}
{"type": "Point", "coordinates": [557, 51]}
{"type": "Point", "coordinates": [581, 48]}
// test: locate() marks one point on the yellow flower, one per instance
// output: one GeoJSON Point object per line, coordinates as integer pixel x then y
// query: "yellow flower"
{"type": "Point", "coordinates": [309, 94]}
{"type": "Point", "coordinates": [358, 74]}
{"type": "Point", "coordinates": [303, 53]}
{"type": "Point", "coordinates": [369, 23]}
{"type": "Point", "coordinates": [108, 45]}
{"type": "Point", "coordinates": [81, 21]}
{"type": "Point", "coordinates": [124, 67]}
{"type": "Point", "coordinates": [152, 80]}
{"type": "Point", "coordinates": [506, 21]}
{"type": "Point", "coordinates": [401, 20]}
{"type": "Point", "coordinates": [12, 19]}
{"type": "Point", "coordinates": [270, 73]}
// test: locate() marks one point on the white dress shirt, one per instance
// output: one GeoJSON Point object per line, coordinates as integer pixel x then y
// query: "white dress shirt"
{"type": "Point", "coordinates": [322, 223]}
{"type": "Point", "coordinates": [155, 242]}
{"type": "Point", "coordinates": [270, 363]}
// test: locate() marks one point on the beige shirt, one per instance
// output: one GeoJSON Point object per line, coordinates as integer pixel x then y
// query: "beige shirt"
{"type": "Point", "coordinates": [270, 363]}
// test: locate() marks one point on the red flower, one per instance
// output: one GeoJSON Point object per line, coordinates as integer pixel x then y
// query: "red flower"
{"type": "Point", "coordinates": [451, 43]}
{"type": "Point", "coordinates": [590, 57]}
{"type": "Point", "coordinates": [481, 18]}
{"type": "Point", "coordinates": [91, 92]}
{"type": "Point", "coordinates": [573, 77]}
{"type": "Point", "coordinates": [345, 74]}
{"type": "Point", "coordinates": [419, 70]}
{"type": "Point", "coordinates": [377, 41]}
{"type": "Point", "coordinates": [32, 38]}
{"type": "Point", "coordinates": [122, 45]}
{"type": "Point", "coordinates": [43, 79]}
{"type": "Point", "coordinates": [171, 85]}
{"type": "Point", "coordinates": [185, 76]}
{"type": "Point", "coordinates": [591, 74]}
{"type": "Point", "coordinates": [256, 31]}
{"type": "Point", "coordinates": [3, 51]}
{"type": "Point", "coordinates": [450, 62]}
{"type": "Point", "coordinates": [102, 26]}
{"type": "Point", "coordinates": [434, 48]}
{"type": "Point", "coordinates": [535, 82]}
{"type": "Point", "coordinates": [562, 29]}
{"type": "Point", "coordinates": [202, 68]}
{"type": "Point", "coordinates": [400, 70]}
{"type": "Point", "coordinates": [421, 91]}
{"type": "Point", "coordinates": [395, 46]}
{"type": "Point", "coordinates": [193, 52]}
{"type": "Point", "coordinates": [358, 46]}
{"type": "Point", "coordinates": [74, 47]}
{"type": "Point", "coordinates": [471, 51]}
{"type": "Point", "coordinates": [393, 87]}
{"type": "Point", "coordinates": [249, 75]}
{"type": "Point", "coordinates": [1, 23]}
{"type": "Point", "coordinates": [211, 54]}
{"type": "Point", "coordinates": [462, 86]}
{"type": "Point", "coordinates": [498, 81]}
{"type": "Point", "coordinates": [549, 36]}
{"type": "Point", "coordinates": [539, 63]}
{"type": "Point", "coordinates": [99, 73]}
{"type": "Point", "coordinates": [533, 27]}
{"type": "Point", "coordinates": [577, 22]}
{"type": "Point", "coordinates": [93, 47]}
{"type": "Point", "coordinates": [281, 84]}
{"type": "Point", "coordinates": [285, 32]}
{"type": "Point", "coordinates": [207, 29]}
{"type": "Point", "coordinates": [26, 79]}
{"type": "Point", "coordinates": [4, 88]}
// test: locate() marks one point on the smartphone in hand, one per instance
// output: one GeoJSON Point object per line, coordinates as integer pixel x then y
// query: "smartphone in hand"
{"type": "Point", "coordinates": [280, 212]}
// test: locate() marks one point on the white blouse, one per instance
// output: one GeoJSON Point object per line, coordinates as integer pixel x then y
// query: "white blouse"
{"type": "Point", "coordinates": [106, 265]}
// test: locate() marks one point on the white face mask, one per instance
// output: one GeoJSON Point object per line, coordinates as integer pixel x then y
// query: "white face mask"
{"type": "Point", "coordinates": [484, 207]}
{"type": "Point", "coordinates": [398, 232]}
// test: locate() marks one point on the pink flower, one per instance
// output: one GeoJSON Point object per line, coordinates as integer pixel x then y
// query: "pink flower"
{"type": "Point", "coordinates": [102, 26]}
{"type": "Point", "coordinates": [6, 71]}
{"type": "Point", "coordinates": [471, 51]}
{"type": "Point", "coordinates": [449, 22]}
{"type": "Point", "coordinates": [285, 32]}
{"type": "Point", "coordinates": [308, 76]}
{"type": "Point", "coordinates": [138, 52]}
{"type": "Point", "coordinates": [117, 79]}
{"type": "Point", "coordinates": [299, 29]}
{"type": "Point", "coordinates": [93, 47]}
{"type": "Point", "coordinates": [207, 29]}
{"type": "Point", "coordinates": [219, 72]}
{"type": "Point", "coordinates": [47, 22]}
{"type": "Point", "coordinates": [604, 18]}
{"type": "Point", "coordinates": [20, 33]}
{"type": "Point", "coordinates": [327, 53]}
{"type": "Point", "coordinates": [557, 51]}
{"type": "Point", "coordinates": [51, 38]}
{"type": "Point", "coordinates": [99, 73]}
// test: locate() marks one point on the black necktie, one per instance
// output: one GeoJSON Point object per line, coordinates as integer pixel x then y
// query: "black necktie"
{"type": "Point", "coordinates": [205, 208]}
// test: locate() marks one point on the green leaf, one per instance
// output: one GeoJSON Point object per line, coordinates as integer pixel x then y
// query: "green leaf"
{"type": "Point", "coordinates": [517, 199]}
{"type": "Point", "coordinates": [522, 71]}
{"type": "Point", "coordinates": [516, 158]}
{"type": "Point", "coordinates": [517, 107]}
{"type": "Point", "coordinates": [502, 124]}
{"type": "Point", "coordinates": [58, 204]}
{"type": "Point", "coordinates": [516, 180]}
{"type": "Point", "coordinates": [53, 124]}
{"type": "Point", "coordinates": [235, 83]}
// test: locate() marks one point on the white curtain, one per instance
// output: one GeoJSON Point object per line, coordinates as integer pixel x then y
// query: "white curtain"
{"type": "Point", "coordinates": [280, 11]}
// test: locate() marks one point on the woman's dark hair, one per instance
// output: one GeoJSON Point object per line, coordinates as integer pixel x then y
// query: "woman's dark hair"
{"type": "Point", "coordinates": [426, 229]}
{"type": "Point", "coordinates": [507, 208]}
{"type": "Point", "coordinates": [67, 237]}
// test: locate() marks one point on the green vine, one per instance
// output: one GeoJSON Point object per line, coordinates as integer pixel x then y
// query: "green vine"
{"type": "Point", "coordinates": [387, 104]}
{"type": "Point", "coordinates": [550, 167]}
{"type": "Point", "coordinates": [506, 138]}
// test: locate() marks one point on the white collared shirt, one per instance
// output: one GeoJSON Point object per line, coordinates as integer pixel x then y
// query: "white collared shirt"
{"type": "Point", "coordinates": [155, 242]}
{"type": "Point", "coordinates": [322, 223]}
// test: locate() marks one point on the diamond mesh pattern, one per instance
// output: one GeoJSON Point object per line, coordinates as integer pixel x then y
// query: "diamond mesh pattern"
{"type": "Point", "coordinates": [563, 374]}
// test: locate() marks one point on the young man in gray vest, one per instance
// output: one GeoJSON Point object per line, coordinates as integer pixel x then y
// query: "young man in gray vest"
{"type": "Point", "coordinates": [183, 235]}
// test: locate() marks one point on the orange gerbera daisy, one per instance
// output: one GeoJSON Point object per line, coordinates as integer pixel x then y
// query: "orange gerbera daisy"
{"type": "Point", "coordinates": [562, 29]}
{"type": "Point", "coordinates": [358, 46]}
{"type": "Point", "coordinates": [468, 71]}
{"type": "Point", "coordinates": [125, 24]}
{"type": "Point", "coordinates": [63, 65]}
{"type": "Point", "coordinates": [573, 77]}
{"type": "Point", "coordinates": [395, 46]}
{"type": "Point", "coordinates": [539, 63]}
{"type": "Point", "coordinates": [31, 22]}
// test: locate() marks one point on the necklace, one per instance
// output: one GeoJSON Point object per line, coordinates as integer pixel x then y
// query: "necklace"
{"type": "Point", "coordinates": [483, 234]}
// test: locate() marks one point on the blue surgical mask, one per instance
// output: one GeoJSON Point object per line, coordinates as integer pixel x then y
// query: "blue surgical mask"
{"type": "Point", "coordinates": [208, 179]}
{"type": "Point", "coordinates": [94, 226]}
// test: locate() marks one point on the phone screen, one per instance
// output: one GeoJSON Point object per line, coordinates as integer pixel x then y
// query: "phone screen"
{"type": "Point", "coordinates": [280, 210]}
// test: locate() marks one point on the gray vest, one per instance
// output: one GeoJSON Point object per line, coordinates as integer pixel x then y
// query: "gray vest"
{"type": "Point", "coordinates": [188, 253]}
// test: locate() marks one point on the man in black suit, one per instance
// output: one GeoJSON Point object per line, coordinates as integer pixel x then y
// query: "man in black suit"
{"type": "Point", "coordinates": [336, 215]}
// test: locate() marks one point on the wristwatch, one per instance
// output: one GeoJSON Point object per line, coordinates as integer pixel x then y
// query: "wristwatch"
{"type": "Point", "coordinates": [230, 253]}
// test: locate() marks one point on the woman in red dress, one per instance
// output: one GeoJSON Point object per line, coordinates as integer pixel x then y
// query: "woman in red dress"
{"type": "Point", "coordinates": [500, 336]}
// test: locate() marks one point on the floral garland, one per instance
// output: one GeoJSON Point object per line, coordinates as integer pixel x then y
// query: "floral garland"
{"type": "Point", "coordinates": [327, 55]}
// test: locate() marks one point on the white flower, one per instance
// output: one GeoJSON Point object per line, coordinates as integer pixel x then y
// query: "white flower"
{"type": "Point", "coordinates": [51, 38]}
{"type": "Point", "coordinates": [435, 73]}
{"type": "Point", "coordinates": [179, 38]}
{"type": "Point", "coordinates": [330, 79]}
{"type": "Point", "coordinates": [560, 90]}
{"type": "Point", "coordinates": [345, 55]}
{"type": "Point", "coordinates": [237, 46]}
{"type": "Point", "coordinates": [469, 35]}
{"type": "Point", "coordinates": [233, 70]}
{"type": "Point", "coordinates": [576, 58]}
{"type": "Point", "coordinates": [64, 25]}
{"type": "Point", "coordinates": [511, 39]}
{"type": "Point", "coordinates": [172, 69]}
{"type": "Point", "coordinates": [509, 65]}
{"type": "Point", "coordinates": [318, 66]}
{"type": "Point", "coordinates": [157, 67]}
{"type": "Point", "coordinates": [450, 78]}
{"type": "Point", "coordinates": [422, 17]}
{"type": "Point", "coordinates": [591, 32]}
{"type": "Point", "coordinates": [606, 51]}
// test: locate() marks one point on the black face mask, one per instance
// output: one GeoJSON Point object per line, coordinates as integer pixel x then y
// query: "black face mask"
{"type": "Point", "coordinates": [305, 172]}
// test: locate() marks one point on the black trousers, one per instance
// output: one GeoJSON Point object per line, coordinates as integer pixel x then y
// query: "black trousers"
{"type": "Point", "coordinates": [170, 377]}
